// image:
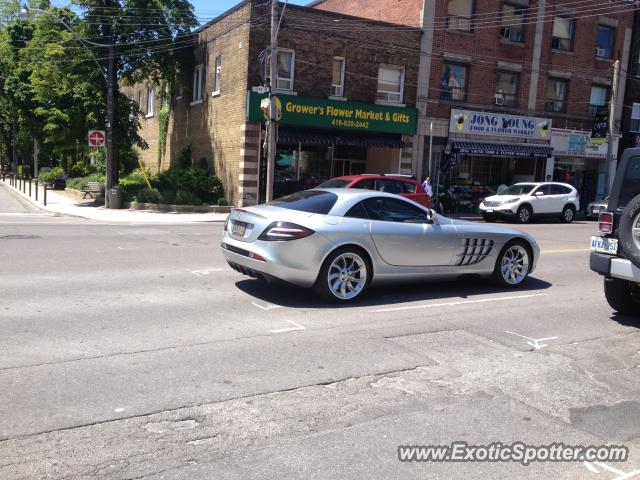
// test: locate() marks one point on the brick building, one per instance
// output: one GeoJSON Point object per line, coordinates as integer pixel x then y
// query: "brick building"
{"type": "Point", "coordinates": [630, 129]}
{"type": "Point", "coordinates": [347, 87]}
{"type": "Point", "coordinates": [511, 87]}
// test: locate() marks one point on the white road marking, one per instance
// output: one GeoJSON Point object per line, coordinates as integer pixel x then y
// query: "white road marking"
{"type": "Point", "coordinates": [266, 307]}
{"type": "Point", "coordinates": [620, 474]}
{"type": "Point", "coordinates": [25, 214]}
{"type": "Point", "coordinates": [567, 251]}
{"type": "Point", "coordinates": [534, 342]}
{"type": "Point", "coordinates": [455, 304]}
{"type": "Point", "coordinates": [202, 273]}
{"type": "Point", "coordinates": [296, 328]}
{"type": "Point", "coordinates": [118, 410]}
{"type": "Point", "coordinates": [129, 248]}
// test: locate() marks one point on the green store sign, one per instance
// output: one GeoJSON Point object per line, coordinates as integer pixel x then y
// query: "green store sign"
{"type": "Point", "coordinates": [321, 113]}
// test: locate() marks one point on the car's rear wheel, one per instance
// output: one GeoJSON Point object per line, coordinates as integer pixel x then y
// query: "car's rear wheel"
{"type": "Point", "coordinates": [344, 275]}
{"type": "Point", "coordinates": [513, 264]}
{"type": "Point", "coordinates": [622, 296]}
{"type": "Point", "coordinates": [524, 214]}
{"type": "Point", "coordinates": [568, 214]}
{"type": "Point", "coordinates": [629, 230]}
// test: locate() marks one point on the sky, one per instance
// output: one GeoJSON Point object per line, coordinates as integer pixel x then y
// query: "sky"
{"type": "Point", "coordinates": [207, 9]}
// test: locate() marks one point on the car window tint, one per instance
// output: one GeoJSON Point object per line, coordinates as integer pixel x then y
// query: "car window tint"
{"type": "Point", "coordinates": [631, 182]}
{"type": "Point", "coordinates": [392, 210]}
{"type": "Point", "coordinates": [368, 184]}
{"type": "Point", "coordinates": [408, 187]}
{"type": "Point", "coordinates": [311, 201]}
{"type": "Point", "coordinates": [357, 211]}
{"type": "Point", "coordinates": [560, 190]}
{"type": "Point", "coordinates": [389, 186]}
{"type": "Point", "coordinates": [335, 183]}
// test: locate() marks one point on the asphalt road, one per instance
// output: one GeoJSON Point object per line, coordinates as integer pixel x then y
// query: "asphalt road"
{"type": "Point", "coordinates": [133, 351]}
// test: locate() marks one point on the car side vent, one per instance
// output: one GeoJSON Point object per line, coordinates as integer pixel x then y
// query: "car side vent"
{"type": "Point", "coordinates": [474, 250]}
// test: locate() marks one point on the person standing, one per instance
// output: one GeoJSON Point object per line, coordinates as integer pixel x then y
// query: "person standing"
{"type": "Point", "coordinates": [428, 187]}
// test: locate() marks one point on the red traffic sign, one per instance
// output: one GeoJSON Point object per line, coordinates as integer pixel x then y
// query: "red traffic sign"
{"type": "Point", "coordinates": [97, 138]}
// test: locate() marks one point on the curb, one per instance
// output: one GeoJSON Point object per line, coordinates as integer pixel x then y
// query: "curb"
{"type": "Point", "coordinates": [161, 207]}
{"type": "Point", "coordinates": [22, 197]}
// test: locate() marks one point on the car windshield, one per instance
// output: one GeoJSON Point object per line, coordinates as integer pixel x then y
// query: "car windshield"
{"type": "Point", "coordinates": [311, 201]}
{"type": "Point", "coordinates": [335, 183]}
{"type": "Point", "coordinates": [520, 189]}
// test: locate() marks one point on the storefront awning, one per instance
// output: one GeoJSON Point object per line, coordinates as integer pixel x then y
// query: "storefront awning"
{"type": "Point", "coordinates": [294, 137]}
{"type": "Point", "coordinates": [526, 150]}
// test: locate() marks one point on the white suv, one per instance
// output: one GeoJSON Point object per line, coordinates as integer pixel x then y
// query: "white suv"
{"type": "Point", "coordinates": [523, 201]}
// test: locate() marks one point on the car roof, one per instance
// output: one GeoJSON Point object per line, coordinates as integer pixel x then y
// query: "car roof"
{"type": "Point", "coordinates": [544, 183]}
{"type": "Point", "coordinates": [374, 176]}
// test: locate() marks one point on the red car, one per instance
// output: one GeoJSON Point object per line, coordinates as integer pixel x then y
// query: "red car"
{"type": "Point", "coordinates": [405, 186]}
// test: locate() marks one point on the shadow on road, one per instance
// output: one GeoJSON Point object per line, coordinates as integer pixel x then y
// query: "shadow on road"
{"type": "Point", "coordinates": [293, 297]}
{"type": "Point", "coordinates": [626, 320]}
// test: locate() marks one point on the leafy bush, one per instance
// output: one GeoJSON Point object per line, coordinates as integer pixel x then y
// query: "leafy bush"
{"type": "Point", "coordinates": [184, 158]}
{"type": "Point", "coordinates": [133, 184]}
{"type": "Point", "coordinates": [80, 183]}
{"type": "Point", "coordinates": [81, 169]}
{"type": "Point", "coordinates": [149, 196]}
{"type": "Point", "coordinates": [223, 202]}
{"type": "Point", "coordinates": [50, 175]}
{"type": "Point", "coordinates": [200, 184]}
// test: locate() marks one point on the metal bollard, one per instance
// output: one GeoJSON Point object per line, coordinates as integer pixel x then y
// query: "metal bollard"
{"type": "Point", "coordinates": [29, 186]}
{"type": "Point", "coordinates": [45, 194]}
{"type": "Point", "coordinates": [24, 185]}
{"type": "Point", "coordinates": [36, 189]}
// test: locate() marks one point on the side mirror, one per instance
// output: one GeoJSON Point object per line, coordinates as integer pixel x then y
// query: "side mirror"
{"type": "Point", "coordinates": [431, 215]}
{"type": "Point", "coordinates": [539, 194]}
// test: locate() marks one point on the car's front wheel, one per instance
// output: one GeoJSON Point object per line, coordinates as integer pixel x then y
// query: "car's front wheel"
{"type": "Point", "coordinates": [344, 275]}
{"type": "Point", "coordinates": [621, 296]}
{"type": "Point", "coordinates": [524, 214]}
{"type": "Point", "coordinates": [513, 264]}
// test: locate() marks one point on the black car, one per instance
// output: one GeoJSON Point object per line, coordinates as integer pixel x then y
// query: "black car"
{"type": "Point", "coordinates": [615, 253]}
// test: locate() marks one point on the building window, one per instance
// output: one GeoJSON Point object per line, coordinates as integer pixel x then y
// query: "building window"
{"type": "Point", "coordinates": [150, 100]}
{"type": "Point", "coordinates": [197, 84]}
{"type": "Point", "coordinates": [507, 85]}
{"type": "Point", "coordinates": [604, 42]}
{"type": "Point", "coordinates": [286, 66]}
{"type": "Point", "coordinates": [599, 98]}
{"type": "Point", "coordinates": [635, 118]}
{"type": "Point", "coordinates": [512, 23]}
{"type": "Point", "coordinates": [453, 84]}
{"type": "Point", "coordinates": [562, 34]}
{"type": "Point", "coordinates": [390, 84]}
{"type": "Point", "coordinates": [217, 81]}
{"type": "Point", "coordinates": [460, 15]}
{"type": "Point", "coordinates": [337, 77]}
{"type": "Point", "coordinates": [556, 96]}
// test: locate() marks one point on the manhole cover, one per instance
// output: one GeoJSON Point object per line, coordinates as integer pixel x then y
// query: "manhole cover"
{"type": "Point", "coordinates": [18, 237]}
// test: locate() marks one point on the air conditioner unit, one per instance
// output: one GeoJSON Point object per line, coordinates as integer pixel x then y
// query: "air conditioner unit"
{"type": "Point", "coordinates": [499, 98]}
{"type": "Point", "coordinates": [601, 52]}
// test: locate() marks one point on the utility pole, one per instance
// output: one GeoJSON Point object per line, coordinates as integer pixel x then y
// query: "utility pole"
{"type": "Point", "coordinates": [36, 151]}
{"type": "Point", "coordinates": [273, 114]}
{"type": "Point", "coordinates": [111, 165]}
{"type": "Point", "coordinates": [612, 110]}
{"type": "Point", "coordinates": [431, 172]}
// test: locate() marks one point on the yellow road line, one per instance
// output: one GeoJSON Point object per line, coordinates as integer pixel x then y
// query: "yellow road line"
{"type": "Point", "coordinates": [567, 251]}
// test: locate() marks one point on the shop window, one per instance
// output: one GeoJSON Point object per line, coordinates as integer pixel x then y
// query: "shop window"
{"type": "Point", "coordinates": [599, 98]}
{"type": "Point", "coordinates": [507, 84]}
{"type": "Point", "coordinates": [337, 77]}
{"type": "Point", "coordinates": [556, 100]}
{"type": "Point", "coordinates": [604, 42]}
{"type": "Point", "coordinates": [562, 33]}
{"type": "Point", "coordinates": [512, 28]}
{"type": "Point", "coordinates": [197, 84]}
{"type": "Point", "coordinates": [454, 82]}
{"type": "Point", "coordinates": [217, 81]}
{"type": "Point", "coordinates": [635, 118]}
{"type": "Point", "coordinates": [390, 84]}
{"type": "Point", "coordinates": [460, 15]}
{"type": "Point", "coordinates": [286, 66]}
{"type": "Point", "coordinates": [150, 101]}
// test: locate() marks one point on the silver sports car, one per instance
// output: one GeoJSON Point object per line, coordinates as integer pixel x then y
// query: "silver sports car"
{"type": "Point", "coordinates": [339, 241]}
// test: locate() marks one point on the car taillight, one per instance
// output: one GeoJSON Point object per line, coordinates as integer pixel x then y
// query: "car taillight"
{"type": "Point", "coordinates": [282, 231]}
{"type": "Point", "coordinates": [605, 223]}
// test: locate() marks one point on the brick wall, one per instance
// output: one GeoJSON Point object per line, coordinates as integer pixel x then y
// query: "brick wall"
{"type": "Point", "coordinates": [402, 12]}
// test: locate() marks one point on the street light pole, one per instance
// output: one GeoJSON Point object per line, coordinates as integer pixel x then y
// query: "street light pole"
{"type": "Point", "coordinates": [612, 112]}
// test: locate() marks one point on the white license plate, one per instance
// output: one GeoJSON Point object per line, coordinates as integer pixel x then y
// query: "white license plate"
{"type": "Point", "coordinates": [238, 229]}
{"type": "Point", "coordinates": [604, 245]}
{"type": "Point", "coordinates": [489, 210]}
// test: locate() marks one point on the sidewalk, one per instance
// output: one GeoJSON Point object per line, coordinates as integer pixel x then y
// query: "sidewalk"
{"type": "Point", "coordinates": [64, 204]}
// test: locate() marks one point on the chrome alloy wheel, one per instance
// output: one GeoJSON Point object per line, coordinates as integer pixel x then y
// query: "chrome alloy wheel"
{"type": "Point", "coordinates": [524, 215]}
{"type": "Point", "coordinates": [514, 266]}
{"type": "Point", "coordinates": [347, 276]}
{"type": "Point", "coordinates": [568, 215]}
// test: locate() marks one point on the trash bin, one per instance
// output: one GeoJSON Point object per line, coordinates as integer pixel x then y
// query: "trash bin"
{"type": "Point", "coordinates": [114, 197]}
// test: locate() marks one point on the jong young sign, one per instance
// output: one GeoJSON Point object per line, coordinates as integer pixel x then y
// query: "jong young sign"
{"type": "Point", "coordinates": [499, 125]}
{"type": "Point", "coordinates": [322, 113]}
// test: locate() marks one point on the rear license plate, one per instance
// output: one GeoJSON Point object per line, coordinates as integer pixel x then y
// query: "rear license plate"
{"type": "Point", "coordinates": [604, 245]}
{"type": "Point", "coordinates": [489, 210]}
{"type": "Point", "coordinates": [238, 229]}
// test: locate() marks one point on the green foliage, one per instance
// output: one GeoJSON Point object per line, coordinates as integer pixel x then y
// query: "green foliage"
{"type": "Point", "coordinates": [223, 202]}
{"type": "Point", "coordinates": [163, 128]}
{"type": "Point", "coordinates": [50, 175]}
{"type": "Point", "coordinates": [184, 157]}
{"type": "Point", "coordinates": [149, 196]}
{"type": "Point", "coordinates": [203, 164]}
{"type": "Point", "coordinates": [133, 184]}
{"type": "Point", "coordinates": [200, 183]}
